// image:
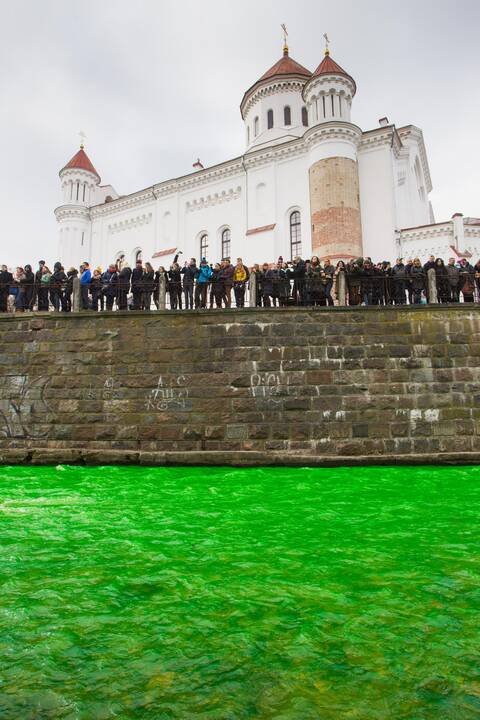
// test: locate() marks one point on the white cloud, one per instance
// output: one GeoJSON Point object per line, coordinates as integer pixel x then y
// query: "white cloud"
{"type": "Point", "coordinates": [157, 83]}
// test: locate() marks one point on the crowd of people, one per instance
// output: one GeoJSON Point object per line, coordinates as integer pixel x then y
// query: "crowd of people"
{"type": "Point", "coordinates": [190, 285]}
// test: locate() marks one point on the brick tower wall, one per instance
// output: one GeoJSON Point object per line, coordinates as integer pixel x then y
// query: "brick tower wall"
{"type": "Point", "coordinates": [335, 208]}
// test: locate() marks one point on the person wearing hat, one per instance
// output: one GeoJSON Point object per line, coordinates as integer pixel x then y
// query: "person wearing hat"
{"type": "Point", "coordinates": [57, 287]}
{"type": "Point", "coordinates": [241, 275]}
{"type": "Point", "coordinates": [124, 273]}
{"type": "Point", "coordinates": [71, 274]}
{"type": "Point", "coordinates": [38, 295]}
{"type": "Point", "coordinates": [137, 285]}
{"type": "Point", "coordinates": [202, 276]}
{"type": "Point", "coordinates": [110, 287]}
{"type": "Point", "coordinates": [189, 273]}
{"type": "Point", "coordinates": [96, 290]}
{"type": "Point", "coordinates": [226, 278]}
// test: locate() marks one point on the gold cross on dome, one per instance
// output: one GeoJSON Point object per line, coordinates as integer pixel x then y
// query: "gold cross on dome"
{"type": "Point", "coordinates": [83, 137]}
{"type": "Point", "coordinates": [285, 34]}
{"type": "Point", "coordinates": [327, 43]}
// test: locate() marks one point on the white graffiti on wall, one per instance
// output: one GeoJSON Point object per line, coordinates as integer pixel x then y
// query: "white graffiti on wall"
{"type": "Point", "coordinates": [23, 407]}
{"type": "Point", "coordinates": [169, 395]}
{"type": "Point", "coordinates": [266, 385]}
{"type": "Point", "coordinates": [107, 391]}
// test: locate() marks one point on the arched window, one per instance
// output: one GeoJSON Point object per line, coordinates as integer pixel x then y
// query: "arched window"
{"type": "Point", "coordinates": [304, 117]}
{"type": "Point", "coordinates": [248, 135]}
{"type": "Point", "coordinates": [203, 245]}
{"type": "Point", "coordinates": [340, 104]}
{"type": "Point", "coordinates": [270, 119]}
{"type": "Point", "coordinates": [295, 234]}
{"type": "Point", "coordinates": [255, 126]}
{"type": "Point", "coordinates": [324, 108]}
{"type": "Point", "coordinates": [333, 104]}
{"type": "Point", "coordinates": [138, 255]}
{"type": "Point", "coordinates": [287, 115]}
{"type": "Point", "coordinates": [226, 240]}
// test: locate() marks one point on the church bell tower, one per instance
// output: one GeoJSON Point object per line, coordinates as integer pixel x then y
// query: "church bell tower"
{"type": "Point", "coordinates": [78, 182]}
{"type": "Point", "coordinates": [333, 168]}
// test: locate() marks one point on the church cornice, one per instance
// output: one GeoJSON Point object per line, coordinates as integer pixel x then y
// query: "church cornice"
{"type": "Point", "coordinates": [311, 87]}
{"type": "Point", "coordinates": [75, 173]}
{"type": "Point", "coordinates": [473, 232]}
{"type": "Point", "coordinates": [279, 86]}
{"type": "Point", "coordinates": [333, 130]}
{"type": "Point", "coordinates": [64, 212]}
{"type": "Point", "coordinates": [372, 139]}
{"type": "Point", "coordinates": [427, 232]}
{"type": "Point", "coordinates": [262, 156]}
{"type": "Point", "coordinates": [412, 130]}
{"type": "Point", "coordinates": [125, 202]}
{"type": "Point", "coordinates": [130, 223]}
{"type": "Point", "coordinates": [213, 199]}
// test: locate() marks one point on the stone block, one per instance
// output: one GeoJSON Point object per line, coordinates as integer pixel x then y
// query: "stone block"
{"type": "Point", "coordinates": [236, 432]}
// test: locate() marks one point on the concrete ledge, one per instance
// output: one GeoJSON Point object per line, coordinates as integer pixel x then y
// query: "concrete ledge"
{"type": "Point", "coordinates": [46, 456]}
{"type": "Point", "coordinates": [233, 312]}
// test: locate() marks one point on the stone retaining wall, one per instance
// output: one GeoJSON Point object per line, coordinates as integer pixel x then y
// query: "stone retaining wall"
{"type": "Point", "coordinates": [292, 386]}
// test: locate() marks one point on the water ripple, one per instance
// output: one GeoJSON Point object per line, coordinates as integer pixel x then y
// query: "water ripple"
{"type": "Point", "coordinates": [227, 594]}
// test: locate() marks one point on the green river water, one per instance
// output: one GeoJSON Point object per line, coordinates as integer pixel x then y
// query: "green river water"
{"type": "Point", "coordinates": [226, 594]}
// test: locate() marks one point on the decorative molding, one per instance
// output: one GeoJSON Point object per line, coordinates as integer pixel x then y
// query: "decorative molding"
{"type": "Point", "coordinates": [372, 140]}
{"type": "Point", "coordinates": [72, 212]}
{"type": "Point", "coordinates": [79, 172]}
{"type": "Point", "coordinates": [412, 130]}
{"type": "Point", "coordinates": [211, 200]}
{"type": "Point", "coordinates": [264, 228]}
{"type": "Point", "coordinates": [333, 130]}
{"type": "Point", "coordinates": [124, 202]}
{"type": "Point", "coordinates": [130, 223]}
{"type": "Point", "coordinates": [275, 88]}
{"type": "Point", "coordinates": [163, 253]}
{"type": "Point", "coordinates": [427, 232]}
{"type": "Point", "coordinates": [317, 80]}
{"type": "Point", "coordinates": [472, 233]}
{"type": "Point", "coordinates": [217, 173]}
{"type": "Point", "coordinates": [256, 157]}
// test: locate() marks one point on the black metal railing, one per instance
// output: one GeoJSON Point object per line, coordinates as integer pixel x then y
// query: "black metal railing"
{"type": "Point", "coordinates": [344, 288]}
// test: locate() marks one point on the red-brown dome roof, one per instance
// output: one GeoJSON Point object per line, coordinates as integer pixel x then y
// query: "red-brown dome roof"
{"type": "Point", "coordinates": [330, 67]}
{"type": "Point", "coordinates": [286, 66]}
{"type": "Point", "coordinates": [81, 161]}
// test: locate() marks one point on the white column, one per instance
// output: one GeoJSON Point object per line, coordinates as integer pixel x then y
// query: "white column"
{"type": "Point", "coordinates": [458, 231]}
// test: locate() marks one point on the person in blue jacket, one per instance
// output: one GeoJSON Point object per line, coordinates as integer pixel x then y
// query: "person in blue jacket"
{"type": "Point", "coordinates": [85, 278]}
{"type": "Point", "coordinates": [202, 276]}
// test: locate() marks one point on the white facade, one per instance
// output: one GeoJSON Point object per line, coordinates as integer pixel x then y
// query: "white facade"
{"type": "Point", "coordinates": [252, 197]}
{"type": "Point", "coordinates": [457, 238]}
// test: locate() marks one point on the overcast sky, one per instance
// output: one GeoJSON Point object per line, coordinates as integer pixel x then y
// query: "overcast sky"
{"type": "Point", "coordinates": [155, 84]}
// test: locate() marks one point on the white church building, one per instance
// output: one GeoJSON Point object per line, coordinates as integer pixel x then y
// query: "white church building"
{"type": "Point", "coordinates": [309, 182]}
